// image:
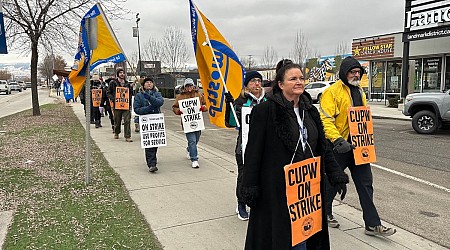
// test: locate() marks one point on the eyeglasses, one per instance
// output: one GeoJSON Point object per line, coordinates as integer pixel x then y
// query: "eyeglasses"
{"type": "Point", "coordinates": [255, 80]}
{"type": "Point", "coordinates": [354, 72]}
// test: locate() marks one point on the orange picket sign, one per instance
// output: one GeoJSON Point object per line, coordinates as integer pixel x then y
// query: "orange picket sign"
{"type": "Point", "coordinates": [304, 200]}
{"type": "Point", "coordinates": [122, 98]}
{"type": "Point", "coordinates": [361, 134]}
{"type": "Point", "coordinates": [96, 97]}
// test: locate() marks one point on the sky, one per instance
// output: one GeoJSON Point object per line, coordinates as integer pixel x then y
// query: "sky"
{"type": "Point", "coordinates": [252, 25]}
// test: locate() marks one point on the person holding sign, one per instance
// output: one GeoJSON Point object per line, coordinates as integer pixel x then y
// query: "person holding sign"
{"type": "Point", "coordinates": [286, 154]}
{"type": "Point", "coordinates": [120, 93]}
{"type": "Point", "coordinates": [190, 91]}
{"type": "Point", "coordinates": [337, 100]}
{"type": "Point", "coordinates": [98, 97]}
{"type": "Point", "coordinates": [251, 94]}
{"type": "Point", "coordinates": [149, 101]}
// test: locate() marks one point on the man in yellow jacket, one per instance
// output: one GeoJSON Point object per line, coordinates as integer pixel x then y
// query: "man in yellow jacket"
{"type": "Point", "coordinates": [335, 101]}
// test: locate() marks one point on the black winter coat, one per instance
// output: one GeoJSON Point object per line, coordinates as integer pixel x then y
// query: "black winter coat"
{"type": "Point", "coordinates": [273, 136]}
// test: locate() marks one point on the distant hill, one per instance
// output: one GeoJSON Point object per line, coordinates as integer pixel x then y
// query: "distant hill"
{"type": "Point", "coordinates": [22, 66]}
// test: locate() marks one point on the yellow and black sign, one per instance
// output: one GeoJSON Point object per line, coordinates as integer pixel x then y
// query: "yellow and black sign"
{"type": "Point", "coordinates": [361, 134]}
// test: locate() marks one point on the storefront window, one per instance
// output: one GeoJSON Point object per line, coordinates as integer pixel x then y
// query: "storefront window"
{"type": "Point", "coordinates": [377, 87]}
{"type": "Point", "coordinates": [447, 73]}
{"type": "Point", "coordinates": [393, 77]}
{"type": "Point", "coordinates": [432, 74]}
{"type": "Point", "coordinates": [417, 74]}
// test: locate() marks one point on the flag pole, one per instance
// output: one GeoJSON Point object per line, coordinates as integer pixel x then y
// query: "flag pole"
{"type": "Point", "coordinates": [87, 100]}
{"type": "Point", "coordinates": [215, 60]}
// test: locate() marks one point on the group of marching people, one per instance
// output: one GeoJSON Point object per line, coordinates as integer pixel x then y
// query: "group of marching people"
{"type": "Point", "coordinates": [284, 129]}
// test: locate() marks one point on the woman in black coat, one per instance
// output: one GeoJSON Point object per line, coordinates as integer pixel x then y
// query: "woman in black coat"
{"type": "Point", "coordinates": [274, 140]}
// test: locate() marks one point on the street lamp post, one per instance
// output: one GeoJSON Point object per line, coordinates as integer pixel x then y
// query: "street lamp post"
{"type": "Point", "coordinates": [139, 45]}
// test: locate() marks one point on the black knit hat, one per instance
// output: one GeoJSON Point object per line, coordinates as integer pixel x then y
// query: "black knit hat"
{"type": "Point", "coordinates": [250, 75]}
{"type": "Point", "coordinates": [148, 79]}
{"type": "Point", "coordinates": [118, 71]}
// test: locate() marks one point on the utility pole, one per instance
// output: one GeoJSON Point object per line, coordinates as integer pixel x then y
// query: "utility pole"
{"type": "Point", "coordinates": [139, 45]}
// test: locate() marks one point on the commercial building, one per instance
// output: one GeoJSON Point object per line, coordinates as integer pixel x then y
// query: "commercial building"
{"type": "Point", "coordinates": [424, 46]}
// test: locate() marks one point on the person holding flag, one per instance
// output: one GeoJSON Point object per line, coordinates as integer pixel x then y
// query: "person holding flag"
{"type": "Point", "coordinates": [251, 95]}
{"type": "Point", "coordinates": [284, 130]}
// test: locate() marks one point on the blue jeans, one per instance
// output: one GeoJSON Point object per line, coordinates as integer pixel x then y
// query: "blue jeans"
{"type": "Point", "coordinates": [299, 246]}
{"type": "Point", "coordinates": [193, 138]}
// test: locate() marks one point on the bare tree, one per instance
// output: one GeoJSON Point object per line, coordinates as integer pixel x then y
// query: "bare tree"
{"type": "Point", "coordinates": [49, 63]}
{"type": "Point", "coordinates": [5, 75]}
{"type": "Point", "coordinates": [153, 49]}
{"type": "Point", "coordinates": [47, 24]}
{"type": "Point", "coordinates": [175, 51]}
{"type": "Point", "coordinates": [247, 61]}
{"type": "Point", "coordinates": [342, 48]}
{"type": "Point", "coordinates": [269, 58]}
{"type": "Point", "coordinates": [301, 50]}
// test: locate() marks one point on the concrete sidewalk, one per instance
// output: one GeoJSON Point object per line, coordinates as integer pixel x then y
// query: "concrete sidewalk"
{"type": "Point", "coordinates": [195, 208]}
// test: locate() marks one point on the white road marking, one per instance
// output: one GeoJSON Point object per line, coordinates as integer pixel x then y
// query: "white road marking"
{"type": "Point", "coordinates": [411, 177]}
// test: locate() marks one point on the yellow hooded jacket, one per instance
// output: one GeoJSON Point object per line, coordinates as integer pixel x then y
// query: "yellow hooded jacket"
{"type": "Point", "coordinates": [335, 101]}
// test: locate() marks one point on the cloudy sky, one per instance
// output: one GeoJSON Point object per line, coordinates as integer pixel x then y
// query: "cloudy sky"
{"type": "Point", "coordinates": [251, 25]}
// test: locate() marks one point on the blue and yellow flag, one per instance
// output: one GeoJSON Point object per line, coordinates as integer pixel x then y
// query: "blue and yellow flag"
{"type": "Point", "coordinates": [3, 49]}
{"type": "Point", "coordinates": [107, 50]}
{"type": "Point", "coordinates": [226, 72]}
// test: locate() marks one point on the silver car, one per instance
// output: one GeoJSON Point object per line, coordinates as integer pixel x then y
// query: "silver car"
{"type": "Point", "coordinates": [15, 86]}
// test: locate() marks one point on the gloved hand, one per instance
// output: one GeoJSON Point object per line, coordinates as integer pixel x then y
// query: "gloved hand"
{"type": "Point", "coordinates": [229, 98]}
{"type": "Point", "coordinates": [250, 195]}
{"type": "Point", "coordinates": [341, 189]}
{"type": "Point", "coordinates": [342, 146]}
{"type": "Point", "coordinates": [179, 112]}
{"type": "Point", "coordinates": [203, 108]}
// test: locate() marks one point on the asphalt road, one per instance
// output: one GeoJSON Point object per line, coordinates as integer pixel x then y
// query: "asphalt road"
{"type": "Point", "coordinates": [411, 175]}
{"type": "Point", "coordinates": [19, 101]}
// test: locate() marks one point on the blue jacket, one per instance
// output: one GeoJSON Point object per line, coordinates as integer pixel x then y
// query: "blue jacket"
{"type": "Point", "coordinates": [148, 102]}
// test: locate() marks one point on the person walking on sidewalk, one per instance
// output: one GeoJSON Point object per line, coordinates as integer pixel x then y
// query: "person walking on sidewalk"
{"type": "Point", "coordinates": [97, 85]}
{"type": "Point", "coordinates": [108, 102]}
{"type": "Point", "coordinates": [149, 101]}
{"type": "Point", "coordinates": [120, 92]}
{"type": "Point", "coordinates": [251, 95]}
{"type": "Point", "coordinates": [335, 101]}
{"type": "Point", "coordinates": [285, 129]}
{"type": "Point", "coordinates": [190, 91]}
{"type": "Point", "coordinates": [137, 88]}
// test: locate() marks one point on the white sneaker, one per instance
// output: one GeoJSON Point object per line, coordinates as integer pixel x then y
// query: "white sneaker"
{"type": "Point", "coordinates": [195, 164]}
{"type": "Point", "coordinates": [187, 155]}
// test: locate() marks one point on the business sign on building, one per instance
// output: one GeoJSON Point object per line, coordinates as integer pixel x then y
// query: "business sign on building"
{"type": "Point", "coordinates": [429, 19]}
{"type": "Point", "coordinates": [373, 48]}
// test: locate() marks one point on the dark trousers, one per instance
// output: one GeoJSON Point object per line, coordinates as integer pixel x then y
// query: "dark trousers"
{"type": "Point", "coordinates": [150, 156]}
{"type": "Point", "coordinates": [110, 114]}
{"type": "Point", "coordinates": [95, 114]}
{"type": "Point", "coordinates": [126, 114]}
{"type": "Point", "coordinates": [240, 168]}
{"type": "Point", "coordinates": [363, 179]}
